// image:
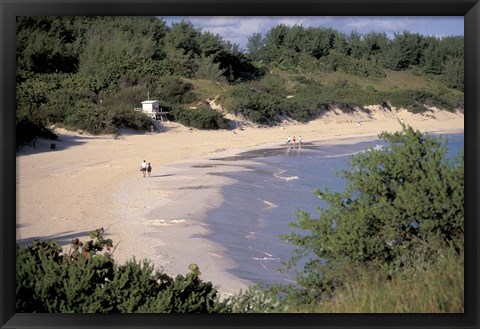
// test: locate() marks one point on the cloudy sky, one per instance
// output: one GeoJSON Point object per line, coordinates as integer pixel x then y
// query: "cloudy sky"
{"type": "Point", "coordinates": [237, 29]}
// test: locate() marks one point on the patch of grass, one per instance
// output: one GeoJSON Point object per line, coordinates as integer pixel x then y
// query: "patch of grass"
{"type": "Point", "coordinates": [437, 288]}
{"type": "Point", "coordinates": [393, 79]}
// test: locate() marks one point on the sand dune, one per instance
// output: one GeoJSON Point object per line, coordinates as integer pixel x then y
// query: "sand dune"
{"type": "Point", "coordinates": [88, 182]}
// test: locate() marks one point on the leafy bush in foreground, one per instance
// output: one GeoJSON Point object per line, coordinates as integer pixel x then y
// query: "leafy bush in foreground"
{"type": "Point", "coordinates": [85, 281]}
{"type": "Point", "coordinates": [403, 206]}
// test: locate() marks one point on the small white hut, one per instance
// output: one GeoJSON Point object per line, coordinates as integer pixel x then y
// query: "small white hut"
{"type": "Point", "coordinates": [153, 110]}
{"type": "Point", "coordinates": [150, 107]}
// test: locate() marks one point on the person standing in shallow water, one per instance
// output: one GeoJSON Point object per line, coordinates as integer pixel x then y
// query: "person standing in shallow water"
{"type": "Point", "coordinates": [143, 167]}
{"type": "Point", "coordinates": [149, 170]}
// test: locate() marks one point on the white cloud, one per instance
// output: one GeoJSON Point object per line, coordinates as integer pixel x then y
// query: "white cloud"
{"type": "Point", "coordinates": [368, 24]}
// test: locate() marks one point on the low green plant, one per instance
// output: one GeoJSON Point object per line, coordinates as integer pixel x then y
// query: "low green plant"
{"type": "Point", "coordinates": [87, 280]}
{"type": "Point", "coordinates": [201, 118]}
{"type": "Point", "coordinates": [174, 90]}
{"type": "Point", "coordinates": [434, 288]}
{"type": "Point", "coordinates": [87, 116]}
{"type": "Point", "coordinates": [256, 105]}
{"type": "Point", "coordinates": [336, 61]}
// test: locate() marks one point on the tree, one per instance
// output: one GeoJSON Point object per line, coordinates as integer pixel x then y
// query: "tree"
{"type": "Point", "coordinates": [111, 45]}
{"type": "Point", "coordinates": [210, 44]}
{"type": "Point", "coordinates": [403, 205]}
{"type": "Point", "coordinates": [454, 73]}
{"type": "Point", "coordinates": [452, 46]}
{"type": "Point", "coordinates": [255, 44]}
{"type": "Point", "coordinates": [355, 45]}
{"type": "Point", "coordinates": [183, 36]}
{"type": "Point", "coordinates": [375, 44]}
{"type": "Point", "coordinates": [208, 69]}
{"type": "Point", "coordinates": [276, 36]}
{"type": "Point", "coordinates": [433, 58]}
{"type": "Point", "coordinates": [319, 41]}
{"type": "Point", "coordinates": [46, 45]}
{"type": "Point", "coordinates": [405, 50]}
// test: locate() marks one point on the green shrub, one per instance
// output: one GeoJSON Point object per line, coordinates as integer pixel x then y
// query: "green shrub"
{"type": "Point", "coordinates": [336, 61]}
{"type": "Point", "coordinates": [209, 70]}
{"type": "Point", "coordinates": [402, 206]}
{"type": "Point", "coordinates": [86, 281]}
{"type": "Point", "coordinates": [256, 105]}
{"type": "Point", "coordinates": [271, 84]}
{"type": "Point", "coordinates": [119, 107]}
{"type": "Point", "coordinates": [172, 89]}
{"type": "Point", "coordinates": [256, 299]}
{"type": "Point", "coordinates": [87, 116]}
{"type": "Point", "coordinates": [200, 118]}
{"type": "Point", "coordinates": [416, 100]}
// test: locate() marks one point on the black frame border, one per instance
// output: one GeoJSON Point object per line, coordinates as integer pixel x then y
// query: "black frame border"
{"type": "Point", "coordinates": [9, 9]}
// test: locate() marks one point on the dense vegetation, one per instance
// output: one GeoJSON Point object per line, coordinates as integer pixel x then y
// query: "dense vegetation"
{"type": "Point", "coordinates": [311, 49]}
{"type": "Point", "coordinates": [89, 73]}
{"type": "Point", "coordinates": [392, 241]}
{"type": "Point", "coordinates": [87, 281]}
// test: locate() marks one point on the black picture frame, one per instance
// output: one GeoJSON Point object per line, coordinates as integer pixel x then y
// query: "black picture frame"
{"type": "Point", "coordinates": [10, 9]}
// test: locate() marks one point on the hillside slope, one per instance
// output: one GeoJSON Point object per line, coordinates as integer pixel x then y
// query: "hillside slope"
{"type": "Point", "coordinates": [326, 95]}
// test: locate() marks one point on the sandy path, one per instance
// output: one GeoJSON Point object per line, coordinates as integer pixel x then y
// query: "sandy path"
{"type": "Point", "coordinates": [94, 181]}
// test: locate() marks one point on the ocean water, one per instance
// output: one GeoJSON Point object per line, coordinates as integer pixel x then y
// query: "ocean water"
{"type": "Point", "coordinates": [266, 196]}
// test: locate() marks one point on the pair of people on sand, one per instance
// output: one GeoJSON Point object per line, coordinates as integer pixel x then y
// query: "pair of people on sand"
{"type": "Point", "coordinates": [289, 141]}
{"type": "Point", "coordinates": [146, 168]}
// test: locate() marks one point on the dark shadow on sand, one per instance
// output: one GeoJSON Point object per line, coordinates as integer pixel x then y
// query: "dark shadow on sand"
{"type": "Point", "coordinates": [62, 238]}
{"type": "Point", "coordinates": [63, 142]}
{"type": "Point", "coordinates": [166, 175]}
{"type": "Point", "coordinates": [197, 187]}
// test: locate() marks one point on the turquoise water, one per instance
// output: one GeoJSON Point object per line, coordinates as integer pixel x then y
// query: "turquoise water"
{"type": "Point", "coordinates": [258, 207]}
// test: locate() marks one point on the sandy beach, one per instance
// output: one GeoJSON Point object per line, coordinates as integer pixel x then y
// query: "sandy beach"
{"type": "Point", "coordinates": [88, 182]}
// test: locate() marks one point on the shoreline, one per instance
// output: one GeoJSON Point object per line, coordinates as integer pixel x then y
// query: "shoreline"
{"type": "Point", "coordinates": [93, 181]}
{"type": "Point", "coordinates": [211, 257]}
{"type": "Point", "coordinates": [172, 220]}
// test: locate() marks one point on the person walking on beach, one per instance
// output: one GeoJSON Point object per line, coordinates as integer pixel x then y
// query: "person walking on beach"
{"type": "Point", "coordinates": [143, 167]}
{"type": "Point", "coordinates": [287, 144]}
{"type": "Point", "coordinates": [149, 170]}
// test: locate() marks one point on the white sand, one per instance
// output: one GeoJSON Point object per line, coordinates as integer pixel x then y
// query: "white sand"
{"type": "Point", "coordinates": [89, 182]}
